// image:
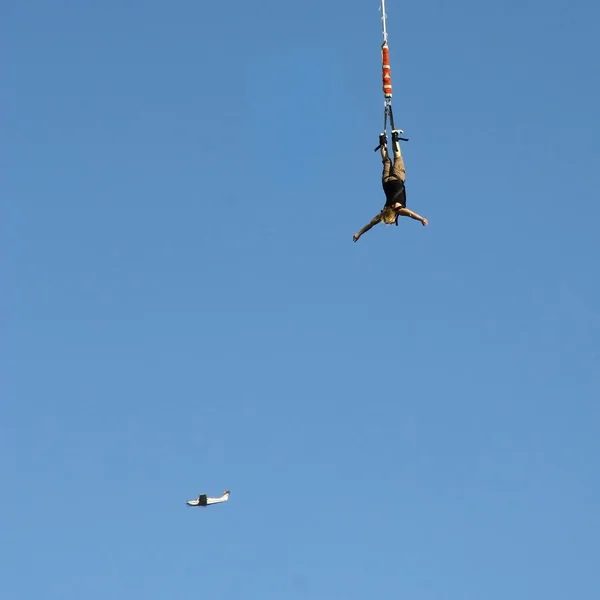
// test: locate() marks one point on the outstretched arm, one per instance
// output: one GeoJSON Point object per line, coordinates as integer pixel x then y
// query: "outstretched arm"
{"type": "Point", "coordinates": [366, 228]}
{"type": "Point", "coordinates": [405, 212]}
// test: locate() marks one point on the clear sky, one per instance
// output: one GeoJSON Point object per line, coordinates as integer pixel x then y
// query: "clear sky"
{"type": "Point", "coordinates": [412, 416]}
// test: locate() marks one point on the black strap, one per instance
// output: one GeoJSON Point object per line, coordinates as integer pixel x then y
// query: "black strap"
{"type": "Point", "coordinates": [385, 115]}
{"type": "Point", "coordinates": [389, 110]}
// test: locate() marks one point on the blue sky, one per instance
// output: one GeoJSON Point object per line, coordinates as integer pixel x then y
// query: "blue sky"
{"type": "Point", "coordinates": [412, 416]}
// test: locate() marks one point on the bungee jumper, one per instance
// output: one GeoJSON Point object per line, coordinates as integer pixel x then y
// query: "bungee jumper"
{"type": "Point", "coordinates": [393, 176]}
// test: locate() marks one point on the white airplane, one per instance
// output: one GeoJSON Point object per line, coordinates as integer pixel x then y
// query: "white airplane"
{"type": "Point", "coordinates": [203, 500]}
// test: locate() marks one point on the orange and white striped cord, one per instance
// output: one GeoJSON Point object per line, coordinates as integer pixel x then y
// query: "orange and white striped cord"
{"type": "Point", "coordinates": [386, 71]}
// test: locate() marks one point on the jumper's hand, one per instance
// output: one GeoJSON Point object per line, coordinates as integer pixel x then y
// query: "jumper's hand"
{"type": "Point", "coordinates": [355, 237]}
{"type": "Point", "coordinates": [425, 222]}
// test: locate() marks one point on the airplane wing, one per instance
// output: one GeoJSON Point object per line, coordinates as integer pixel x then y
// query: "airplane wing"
{"type": "Point", "coordinates": [199, 501]}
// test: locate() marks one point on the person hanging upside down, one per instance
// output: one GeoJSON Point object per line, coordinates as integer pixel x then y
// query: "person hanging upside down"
{"type": "Point", "coordinates": [392, 179]}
